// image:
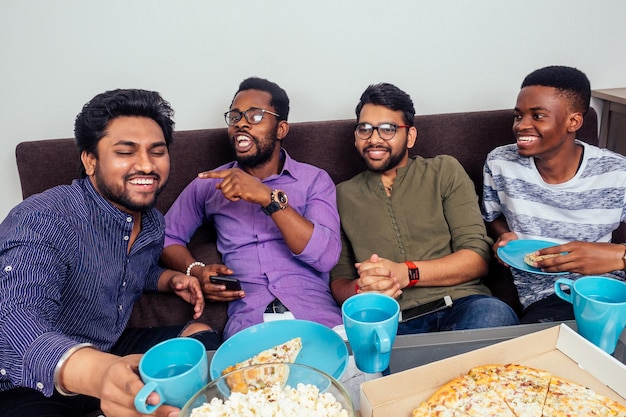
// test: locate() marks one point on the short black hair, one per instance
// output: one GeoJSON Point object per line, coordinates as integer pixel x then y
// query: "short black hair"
{"type": "Point", "coordinates": [390, 96]}
{"type": "Point", "coordinates": [279, 99]}
{"type": "Point", "coordinates": [91, 123]}
{"type": "Point", "coordinates": [570, 82]}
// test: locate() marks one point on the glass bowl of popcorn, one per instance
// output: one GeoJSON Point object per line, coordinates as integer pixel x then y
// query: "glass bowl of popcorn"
{"type": "Point", "coordinates": [272, 390]}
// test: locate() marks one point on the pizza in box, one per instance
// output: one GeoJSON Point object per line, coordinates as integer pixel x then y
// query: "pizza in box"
{"type": "Point", "coordinates": [516, 391]}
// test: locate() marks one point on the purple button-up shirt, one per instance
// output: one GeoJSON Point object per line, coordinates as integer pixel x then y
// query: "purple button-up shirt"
{"type": "Point", "coordinates": [253, 247]}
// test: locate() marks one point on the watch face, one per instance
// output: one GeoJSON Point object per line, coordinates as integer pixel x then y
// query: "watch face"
{"type": "Point", "coordinates": [282, 198]}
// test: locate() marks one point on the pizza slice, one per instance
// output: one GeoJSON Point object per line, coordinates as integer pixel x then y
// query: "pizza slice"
{"type": "Point", "coordinates": [616, 409]}
{"type": "Point", "coordinates": [531, 258]}
{"type": "Point", "coordinates": [523, 388]}
{"type": "Point", "coordinates": [463, 397]}
{"type": "Point", "coordinates": [566, 398]}
{"type": "Point", "coordinates": [284, 353]}
{"type": "Point", "coordinates": [241, 379]}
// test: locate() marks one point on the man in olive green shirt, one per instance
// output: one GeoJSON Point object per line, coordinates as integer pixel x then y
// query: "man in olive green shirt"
{"type": "Point", "coordinates": [411, 227]}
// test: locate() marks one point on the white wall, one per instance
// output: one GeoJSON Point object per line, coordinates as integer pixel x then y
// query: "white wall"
{"type": "Point", "coordinates": [449, 55]}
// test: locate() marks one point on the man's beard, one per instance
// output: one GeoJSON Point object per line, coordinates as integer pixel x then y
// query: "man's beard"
{"type": "Point", "coordinates": [263, 154]}
{"type": "Point", "coordinates": [123, 198]}
{"type": "Point", "coordinates": [390, 163]}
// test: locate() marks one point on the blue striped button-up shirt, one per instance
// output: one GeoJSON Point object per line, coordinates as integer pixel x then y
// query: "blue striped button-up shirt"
{"type": "Point", "coordinates": [67, 277]}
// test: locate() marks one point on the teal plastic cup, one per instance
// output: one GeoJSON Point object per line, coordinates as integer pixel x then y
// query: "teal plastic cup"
{"type": "Point", "coordinates": [599, 308]}
{"type": "Point", "coordinates": [175, 369]}
{"type": "Point", "coordinates": [371, 324]}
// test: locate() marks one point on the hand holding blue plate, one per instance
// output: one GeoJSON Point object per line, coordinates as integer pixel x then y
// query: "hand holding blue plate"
{"type": "Point", "coordinates": [513, 254]}
{"type": "Point", "coordinates": [322, 348]}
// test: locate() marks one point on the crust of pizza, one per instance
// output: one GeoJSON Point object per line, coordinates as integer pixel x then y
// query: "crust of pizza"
{"type": "Point", "coordinates": [531, 258]}
{"type": "Point", "coordinates": [241, 379]}
{"type": "Point", "coordinates": [517, 391]}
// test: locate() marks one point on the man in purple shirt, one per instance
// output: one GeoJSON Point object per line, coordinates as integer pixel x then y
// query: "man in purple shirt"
{"type": "Point", "coordinates": [276, 219]}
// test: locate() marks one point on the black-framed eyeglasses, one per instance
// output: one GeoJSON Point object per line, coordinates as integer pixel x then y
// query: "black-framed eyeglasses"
{"type": "Point", "coordinates": [253, 116]}
{"type": "Point", "coordinates": [386, 131]}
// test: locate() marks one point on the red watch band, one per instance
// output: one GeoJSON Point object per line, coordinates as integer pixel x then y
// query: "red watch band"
{"type": "Point", "coordinates": [414, 273]}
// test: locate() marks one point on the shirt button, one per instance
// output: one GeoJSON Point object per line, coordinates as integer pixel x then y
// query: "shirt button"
{"type": "Point", "coordinates": [126, 237]}
{"type": "Point", "coordinates": [39, 385]}
{"type": "Point", "coordinates": [8, 268]}
{"type": "Point", "coordinates": [119, 307]}
{"type": "Point", "coordinates": [129, 219]}
{"type": "Point", "coordinates": [3, 371]}
{"type": "Point", "coordinates": [124, 284]}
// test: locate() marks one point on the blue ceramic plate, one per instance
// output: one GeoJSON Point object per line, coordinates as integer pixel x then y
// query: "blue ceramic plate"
{"type": "Point", "coordinates": [322, 348]}
{"type": "Point", "coordinates": [513, 254]}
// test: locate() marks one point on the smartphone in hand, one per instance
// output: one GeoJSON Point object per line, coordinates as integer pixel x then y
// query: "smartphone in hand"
{"type": "Point", "coordinates": [232, 284]}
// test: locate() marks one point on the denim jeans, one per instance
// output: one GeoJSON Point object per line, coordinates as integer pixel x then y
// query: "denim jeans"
{"type": "Point", "coordinates": [471, 312]}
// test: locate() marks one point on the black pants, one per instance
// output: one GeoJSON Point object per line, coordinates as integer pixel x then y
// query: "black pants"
{"type": "Point", "coordinates": [27, 402]}
{"type": "Point", "coordinates": [551, 308]}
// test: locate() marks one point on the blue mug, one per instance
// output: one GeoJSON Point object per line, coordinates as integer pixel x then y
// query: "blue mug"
{"type": "Point", "coordinates": [175, 369]}
{"type": "Point", "coordinates": [599, 308]}
{"type": "Point", "coordinates": [371, 324]}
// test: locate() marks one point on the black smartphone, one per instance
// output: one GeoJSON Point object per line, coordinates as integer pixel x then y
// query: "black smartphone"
{"type": "Point", "coordinates": [421, 310]}
{"type": "Point", "coordinates": [232, 284]}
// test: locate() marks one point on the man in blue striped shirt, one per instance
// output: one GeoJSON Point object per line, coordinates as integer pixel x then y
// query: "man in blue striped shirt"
{"type": "Point", "coordinates": [548, 185]}
{"type": "Point", "coordinates": [75, 258]}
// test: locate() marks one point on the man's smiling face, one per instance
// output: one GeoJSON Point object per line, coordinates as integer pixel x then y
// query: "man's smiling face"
{"type": "Point", "coordinates": [132, 163]}
{"type": "Point", "coordinates": [541, 121]}
{"type": "Point", "coordinates": [382, 155]}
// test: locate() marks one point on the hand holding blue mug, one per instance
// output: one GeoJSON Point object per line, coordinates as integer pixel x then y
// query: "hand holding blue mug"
{"type": "Point", "coordinates": [175, 369]}
{"type": "Point", "coordinates": [599, 308]}
{"type": "Point", "coordinates": [371, 324]}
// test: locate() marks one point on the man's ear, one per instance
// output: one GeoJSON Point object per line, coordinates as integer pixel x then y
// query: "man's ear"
{"type": "Point", "coordinates": [411, 137]}
{"type": "Point", "coordinates": [282, 129]}
{"type": "Point", "coordinates": [575, 122]}
{"type": "Point", "coordinates": [89, 161]}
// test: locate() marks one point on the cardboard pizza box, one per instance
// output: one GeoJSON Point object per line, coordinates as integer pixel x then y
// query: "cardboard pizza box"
{"type": "Point", "coordinates": [559, 350]}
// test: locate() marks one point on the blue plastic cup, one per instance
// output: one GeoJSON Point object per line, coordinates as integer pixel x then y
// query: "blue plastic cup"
{"type": "Point", "coordinates": [371, 323]}
{"type": "Point", "coordinates": [599, 308]}
{"type": "Point", "coordinates": [175, 369]}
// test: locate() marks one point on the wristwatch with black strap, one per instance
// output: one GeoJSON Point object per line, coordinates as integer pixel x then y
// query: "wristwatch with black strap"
{"type": "Point", "coordinates": [279, 202]}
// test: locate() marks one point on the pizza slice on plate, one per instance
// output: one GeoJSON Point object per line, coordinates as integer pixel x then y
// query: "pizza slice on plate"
{"type": "Point", "coordinates": [531, 259]}
{"type": "Point", "coordinates": [242, 379]}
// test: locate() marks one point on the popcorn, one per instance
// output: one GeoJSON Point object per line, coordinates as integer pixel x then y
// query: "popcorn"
{"type": "Point", "coordinates": [303, 401]}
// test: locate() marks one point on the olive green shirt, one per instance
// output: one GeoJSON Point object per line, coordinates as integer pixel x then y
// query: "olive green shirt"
{"type": "Point", "coordinates": [432, 212]}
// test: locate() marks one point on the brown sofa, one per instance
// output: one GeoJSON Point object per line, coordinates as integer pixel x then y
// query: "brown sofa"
{"type": "Point", "coordinates": [326, 144]}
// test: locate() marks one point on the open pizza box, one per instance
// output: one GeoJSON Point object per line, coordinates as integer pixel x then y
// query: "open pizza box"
{"type": "Point", "coordinates": [559, 350]}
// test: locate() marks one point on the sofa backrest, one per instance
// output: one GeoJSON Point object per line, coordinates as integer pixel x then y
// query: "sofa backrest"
{"type": "Point", "coordinates": [327, 144]}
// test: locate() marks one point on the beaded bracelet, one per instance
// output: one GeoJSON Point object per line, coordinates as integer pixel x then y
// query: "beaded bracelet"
{"type": "Point", "coordinates": [191, 265]}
